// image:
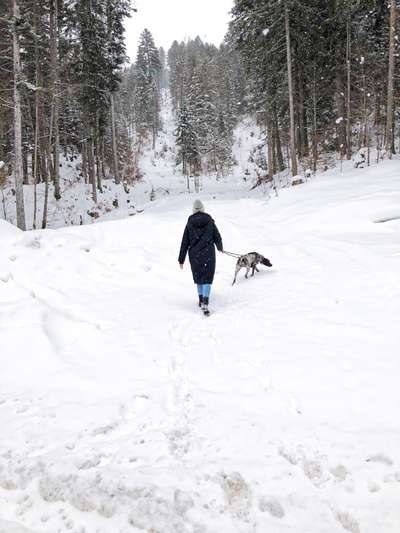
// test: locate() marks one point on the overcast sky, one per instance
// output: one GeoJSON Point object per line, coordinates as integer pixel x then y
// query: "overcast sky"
{"type": "Point", "coordinates": [178, 19]}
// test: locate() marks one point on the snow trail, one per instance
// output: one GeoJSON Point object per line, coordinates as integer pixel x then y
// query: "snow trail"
{"type": "Point", "coordinates": [124, 410]}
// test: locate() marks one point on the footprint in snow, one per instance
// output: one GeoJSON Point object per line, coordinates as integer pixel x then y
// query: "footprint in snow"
{"type": "Point", "coordinates": [380, 458]}
{"type": "Point", "coordinates": [374, 487]}
{"type": "Point", "coordinates": [347, 522]}
{"type": "Point", "coordinates": [90, 463]}
{"type": "Point", "coordinates": [288, 455]}
{"type": "Point", "coordinates": [104, 430]}
{"type": "Point", "coordinates": [5, 277]}
{"type": "Point", "coordinates": [272, 506]}
{"type": "Point", "coordinates": [340, 472]}
{"type": "Point", "coordinates": [22, 409]}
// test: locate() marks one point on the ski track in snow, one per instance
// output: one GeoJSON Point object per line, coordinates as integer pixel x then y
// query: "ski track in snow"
{"type": "Point", "coordinates": [123, 409]}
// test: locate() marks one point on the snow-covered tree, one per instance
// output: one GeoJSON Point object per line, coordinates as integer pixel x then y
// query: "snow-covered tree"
{"type": "Point", "coordinates": [147, 94]}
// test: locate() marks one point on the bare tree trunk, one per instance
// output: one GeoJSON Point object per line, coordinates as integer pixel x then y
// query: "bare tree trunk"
{"type": "Point", "coordinates": [35, 157]}
{"type": "Point", "coordinates": [102, 156]}
{"type": "Point", "coordinates": [341, 127]}
{"type": "Point", "coordinates": [42, 175]}
{"type": "Point", "coordinates": [184, 165]}
{"type": "Point", "coordinates": [46, 199]}
{"type": "Point", "coordinates": [315, 132]}
{"type": "Point", "coordinates": [302, 117]}
{"type": "Point", "coordinates": [84, 159]}
{"type": "Point", "coordinates": [279, 153]}
{"type": "Point", "coordinates": [55, 88]}
{"type": "Point", "coordinates": [293, 156]}
{"type": "Point", "coordinates": [25, 161]}
{"type": "Point", "coordinates": [274, 159]}
{"type": "Point", "coordinates": [154, 135]}
{"type": "Point", "coordinates": [270, 147]}
{"type": "Point", "coordinates": [365, 111]}
{"type": "Point", "coordinates": [3, 202]}
{"type": "Point", "coordinates": [348, 97]}
{"type": "Point", "coordinates": [97, 154]}
{"type": "Point", "coordinates": [46, 189]}
{"type": "Point", "coordinates": [114, 141]}
{"type": "Point", "coordinates": [18, 168]}
{"type": "Point", "coordinates": [37, 113]}
{"type": "Point", "coordinates": [92, 174]}
{"type": "Point", "coordinates": [390, 107]}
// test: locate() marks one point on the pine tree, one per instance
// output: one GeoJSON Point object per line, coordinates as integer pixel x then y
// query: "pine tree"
{"type": "Point", "coordinates": [147, 93]}
{"type": "Point", "coordinates": [186, 140]}
{"type": "Point", "coordinates": [202, 83]}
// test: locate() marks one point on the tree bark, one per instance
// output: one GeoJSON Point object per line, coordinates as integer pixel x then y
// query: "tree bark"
{"type": "Point", "coordinates": [270, 147]}
{"type": "Point", "coordinates": [114, 141]}
{"type": "Point", "coordinates": [315, 125]}
{"type": "Point", "coordinates": [55, 88]}
{"type": "Point", "coordinates": [293, 156]}
{"type": "Point", "coordinates": [279, 153]}
{"type": "Point", "coordinates": [390, 105]}
{"type": "Point", "coordinates": [48, 154]}
{"type": "Point", "coordinates": [348, 94]}
{"type": "Point", "coordinates": [92, 173]}
{"type": "Point", "coordinates": [302, 120]}
{"type": "Point", "coordinates": [37, 115]}
{"type": "Point", "coordinates": [18, 168]}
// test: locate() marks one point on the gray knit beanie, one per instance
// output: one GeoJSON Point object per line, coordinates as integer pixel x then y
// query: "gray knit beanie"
{"type": "Point", "coordinates": [198, 206]}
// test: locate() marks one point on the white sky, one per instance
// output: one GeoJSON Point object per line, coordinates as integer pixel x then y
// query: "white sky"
{"type": "Point", "coordinates": [178, 19]}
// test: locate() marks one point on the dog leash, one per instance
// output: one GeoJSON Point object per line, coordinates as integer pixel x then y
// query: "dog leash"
{"type": "Point", "coordinates": [231, 254]}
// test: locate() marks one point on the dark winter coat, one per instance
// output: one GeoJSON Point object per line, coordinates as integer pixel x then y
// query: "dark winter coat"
{"type": "Point", "coordinates": [200, 236]}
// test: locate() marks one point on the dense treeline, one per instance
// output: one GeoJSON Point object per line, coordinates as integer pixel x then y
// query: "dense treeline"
{"type": "Point", "coordinates": [60, 69]}
{"type": "Point", "coordinates": [207, 90]}
{"type": "Point", "coordinates": [321, 75]}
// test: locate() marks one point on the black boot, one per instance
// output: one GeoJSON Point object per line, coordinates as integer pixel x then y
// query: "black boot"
{"type": "Point", "coordinates": [205, 306]}
{"type": "Point", "coordinates": [201, 300]}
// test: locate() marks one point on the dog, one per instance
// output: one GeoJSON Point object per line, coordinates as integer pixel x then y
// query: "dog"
{"type": "Point", "coordinates": [249, 262]}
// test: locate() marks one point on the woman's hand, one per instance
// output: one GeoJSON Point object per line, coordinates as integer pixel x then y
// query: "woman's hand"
{"type": "Point", "coordinates": [181, 266]}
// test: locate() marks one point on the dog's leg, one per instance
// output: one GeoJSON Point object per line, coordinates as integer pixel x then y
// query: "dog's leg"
{"type": "Point", "coordinates": [253, 269]}
{"type": "Point", "coordinates": [247, 271]}
{"type": "Point", "coordinates": [236, 273]}
{"type": "Point", "coordinates": [256, 269]}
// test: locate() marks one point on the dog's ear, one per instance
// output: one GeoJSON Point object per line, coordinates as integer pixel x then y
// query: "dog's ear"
{"type": "Point", "coordinates": [266, 262]}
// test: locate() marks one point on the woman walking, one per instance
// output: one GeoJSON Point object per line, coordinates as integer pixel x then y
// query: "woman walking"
{"type": "Point", "coordinates": [200, 237]}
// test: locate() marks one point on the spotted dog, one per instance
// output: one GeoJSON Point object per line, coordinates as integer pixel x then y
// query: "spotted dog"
{"type": "Point", "coordinates": [250, 262]}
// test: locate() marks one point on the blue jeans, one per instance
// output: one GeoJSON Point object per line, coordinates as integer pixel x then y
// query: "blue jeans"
{"type": "Point", "coordinates": [204, 290]}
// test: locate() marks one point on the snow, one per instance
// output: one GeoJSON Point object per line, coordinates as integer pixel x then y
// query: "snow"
{"type": "Point", "coordinates": [124, 410]}
{"type": "Point", "coordinates": [7, 231]}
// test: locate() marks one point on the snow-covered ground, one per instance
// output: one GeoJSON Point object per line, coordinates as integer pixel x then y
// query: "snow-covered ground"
{"type": "Point", "coordinates": [122, 409]}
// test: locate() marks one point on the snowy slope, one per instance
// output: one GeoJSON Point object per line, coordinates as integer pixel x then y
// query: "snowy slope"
{"type": "Point", "coordinates": [124, 410]}
{"type": "Point", "coordinates": [161, 179]}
